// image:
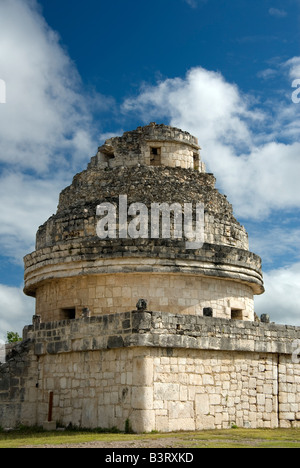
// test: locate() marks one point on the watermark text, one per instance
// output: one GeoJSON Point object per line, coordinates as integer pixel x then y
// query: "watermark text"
{"type": "Point", "coordinates": [2, 92]}
{"type": "Point", "coordinates": [296, 352]}
{"type": "Point", "coordinates": [161, 221]}
{"type": "Point", "coordinates": [2, 353]}
{"type": "Point", "coordinates": [296, 93]}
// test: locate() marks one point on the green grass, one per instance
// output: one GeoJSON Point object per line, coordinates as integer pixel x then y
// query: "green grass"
{"type": "Point", "coordinates": [231, 438]}
{"type": "Point", "coordinates": [247, 438]}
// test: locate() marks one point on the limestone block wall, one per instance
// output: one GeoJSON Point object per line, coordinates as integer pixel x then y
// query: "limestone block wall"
{"type": "Point", "coordinates": [195, 390]}
{"type": "Point", "coordinates": [18, 391]}
{"type": "Point", "coordinates": [93, 389]}
{"type": "Point", "coordinates": [161, 371]}
{"type": "Point", "coordinates": [113, 293]}
{"type": "Point", "coordinates": [289, 391]}
{"type": "Point", "coordinates": [156, 153]}
{"type": "Point", "coordinates": [173, 154]}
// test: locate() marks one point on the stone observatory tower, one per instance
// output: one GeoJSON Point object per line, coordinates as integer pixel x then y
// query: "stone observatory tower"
{"type": "Point", "coordinates": [144, 288]}
{"type": "Point", "coordinates": [122, 232]}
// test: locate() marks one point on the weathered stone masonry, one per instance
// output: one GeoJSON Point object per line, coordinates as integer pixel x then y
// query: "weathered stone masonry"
{"type": "Point", "coordinates": [201, 362]}
{"type": "Point", "coordinates": [72, 269]}
{"type": "Point", "coordinates": [161, 371]}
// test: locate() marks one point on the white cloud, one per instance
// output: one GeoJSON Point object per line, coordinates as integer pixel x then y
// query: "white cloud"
{"type": "Point", "coordinates": [281, 299]}
{"type": "Point", "coordinates": [267, 74]}
{"type": "Point", "coordinates": [16, 310]}
{"type": "Point", "coordinates": [46, 115]}
{"type": "Point", "coordinates": [46, 127]}
{"type": "Point", "coordinates": [277, 12]}
{"type": "Point", "coordinates": [26, 203]}
{"type": "Point", "coordinates": [253, 149]}
{"type": "Point", "coordinates": [293, 66]}
{"type": "Point", "coordinates": [264, 180]}
{"type": "Point", "coordinates": [46, 132]}
{"type": "Point", "coordinates": [46, 123]}
{"type": "Point", "coordinates": [241, 143]}
{"type": "Point", "coordinates": [202, 102]}
{"type": "Point", "coordinates": [279, 241]}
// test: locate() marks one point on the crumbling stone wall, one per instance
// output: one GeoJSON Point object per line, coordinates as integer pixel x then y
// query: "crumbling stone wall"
{"type": "Point", "coordinates": [76, 215]}
{"type": "Point", "coordinates": [18, 376]}
{"type": "Point", "coordinates": [158, 145]}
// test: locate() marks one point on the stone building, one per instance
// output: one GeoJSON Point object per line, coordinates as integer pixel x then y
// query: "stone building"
{"type": "Point", "coordinates": [73, 269]}
{"type": "Point", "coordinates": [144, 288]}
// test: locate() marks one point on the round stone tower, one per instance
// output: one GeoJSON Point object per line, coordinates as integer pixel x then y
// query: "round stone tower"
{"type": "Point", "coordinates": [124, 231]}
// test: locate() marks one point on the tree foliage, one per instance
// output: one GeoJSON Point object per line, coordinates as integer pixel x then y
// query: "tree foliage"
{"type": "Point", "coordinates": [13, 337]}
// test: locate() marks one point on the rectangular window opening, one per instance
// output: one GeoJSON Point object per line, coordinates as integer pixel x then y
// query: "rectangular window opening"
{"type": "Point", "coordinates": [207, 312]}
{"type": "Point", "coordinates": [237, 314]}
{"type": "Point", "coordinates": [196, 158]}
{"type": "Point", "coordinates": [68, 314]}
{"type": "Point", "coordinates": [155, 156]}
{"type": "Point", "coordinates": [105, 156]}
{"type": "Point", "coordinates": [155, 151]}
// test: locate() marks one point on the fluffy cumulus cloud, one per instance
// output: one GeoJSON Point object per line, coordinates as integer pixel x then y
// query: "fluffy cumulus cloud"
{"type": "Point", "coordinates": [253, 149]}
{"type": "Point", "coordinates": [294, 67]}
{"type": "Point", "coordinates": [46, 133]}
{"type": "Point", "coordinates": [46, 124]}
{"type": "Point", "coordinates": [278, 244]}
{"type": "Point", "coordinates": [26, 202]}
{"type": "Point", "coordinates": [16, 310]}
{"type": "Point", "coordinates": [45, 115]}
{"type": "Point", "coordinates": [282, 301]}
{"type": "Point", "coordinates": [252, 159]}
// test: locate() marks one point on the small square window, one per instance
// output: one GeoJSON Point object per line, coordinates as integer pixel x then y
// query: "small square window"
{"type": "Point", "coordinates": [207, 312]}
{"type": "Point", "coordinates": [237, 314]}
{"type": "Point", "coordinates": [68, 314]}
{"type": "Point", "coordinates": [155, 156]}
{"type": "Point", "coordinates": [196, 161]}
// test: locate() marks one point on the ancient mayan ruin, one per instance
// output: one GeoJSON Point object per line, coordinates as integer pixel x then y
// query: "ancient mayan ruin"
{"type": "Point", "coordinates": [136, 320]}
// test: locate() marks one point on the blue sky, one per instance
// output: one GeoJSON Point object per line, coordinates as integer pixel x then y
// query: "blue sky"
{"type": "Point", "coordinates": [78, 72]}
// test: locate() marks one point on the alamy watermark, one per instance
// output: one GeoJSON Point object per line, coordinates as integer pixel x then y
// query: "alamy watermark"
{"type": "Point", "coordinates": [296, 352]}
{"type": "Point", "coordinates": [296, 93]}
{"type": "Point", "coordinates": [2, 353]}
{"type": "Point", "coordinates": [2, 92]}
{"type": "Point", "coordinates": [162, 221]}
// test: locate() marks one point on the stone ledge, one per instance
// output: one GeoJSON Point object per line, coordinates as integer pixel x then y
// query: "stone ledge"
{"type": "Point", "coordinates": [157, 329]}
{"type": "Point", "coordinates": [210, 261]}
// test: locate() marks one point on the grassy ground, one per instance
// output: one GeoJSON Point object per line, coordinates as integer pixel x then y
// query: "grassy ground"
{"type": "Point", "coordinates": [232, 438]}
